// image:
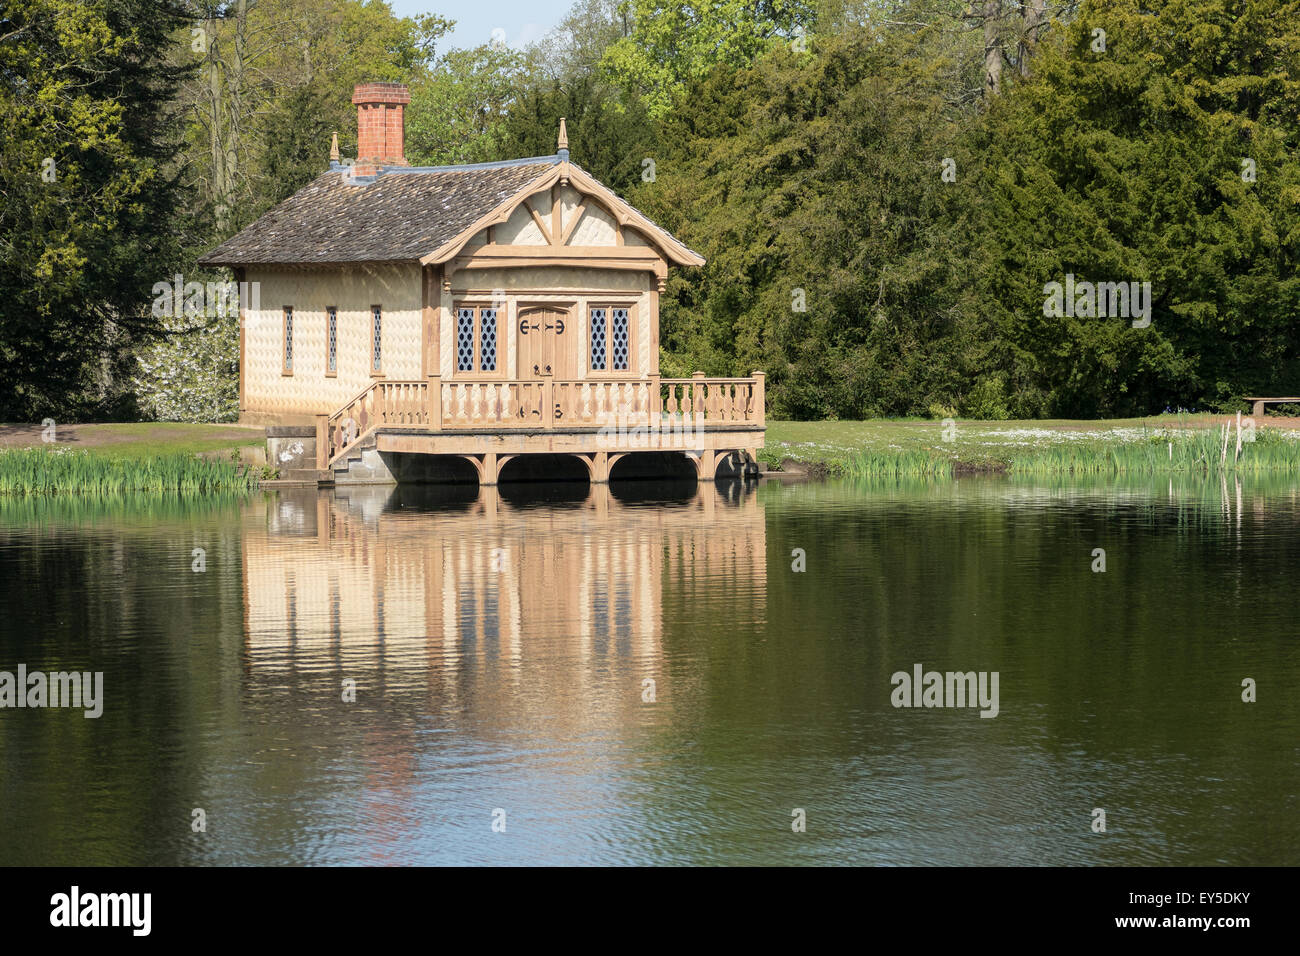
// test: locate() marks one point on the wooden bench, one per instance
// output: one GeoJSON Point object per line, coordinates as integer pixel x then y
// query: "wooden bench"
{"type": "Point", "coordinates": [1258, 410]}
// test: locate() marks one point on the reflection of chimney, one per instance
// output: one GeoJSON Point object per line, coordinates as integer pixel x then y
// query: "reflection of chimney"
{"type": "Point", "coordinates": [381, 126]}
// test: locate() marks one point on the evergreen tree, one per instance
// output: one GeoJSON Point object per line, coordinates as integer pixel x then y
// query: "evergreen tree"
{"type": "Point", "coordinates": [92, 215]}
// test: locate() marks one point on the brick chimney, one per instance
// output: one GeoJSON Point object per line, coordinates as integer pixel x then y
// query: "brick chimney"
{"type": "Point", "coordinates": [381, 126]}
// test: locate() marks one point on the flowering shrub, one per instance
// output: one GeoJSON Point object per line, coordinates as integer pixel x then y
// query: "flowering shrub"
{"type": "Point", "coordinates": [193, 374]}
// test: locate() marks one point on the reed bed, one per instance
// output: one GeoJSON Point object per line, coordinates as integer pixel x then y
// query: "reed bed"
{"type": "Point", "coordinates": [38, 471]}
{"type": "Point", "coordinates": [1191, 451]}
{"type": "Point", "coordinates": [1187, 450]}
{"type": "Point", "coordinates": [893, 463]}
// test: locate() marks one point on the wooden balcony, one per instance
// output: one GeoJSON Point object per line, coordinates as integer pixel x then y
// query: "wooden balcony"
{"type": "Point", "coordinates": [479, 417]}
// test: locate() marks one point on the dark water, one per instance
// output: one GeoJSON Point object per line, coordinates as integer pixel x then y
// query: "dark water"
{"type": "Point", "coordinates": [500, 645]}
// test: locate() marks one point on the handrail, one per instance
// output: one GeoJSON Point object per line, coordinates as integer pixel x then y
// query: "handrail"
{"type": "Point", "coordinates": [490, 404]}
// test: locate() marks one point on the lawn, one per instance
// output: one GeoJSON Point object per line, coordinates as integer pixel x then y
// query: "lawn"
{"type": "Point", "coordinates": [136, 439]}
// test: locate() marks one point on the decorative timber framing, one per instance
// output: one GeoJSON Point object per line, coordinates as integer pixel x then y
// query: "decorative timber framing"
{"type": "Point", "coordinates": [653, 258]}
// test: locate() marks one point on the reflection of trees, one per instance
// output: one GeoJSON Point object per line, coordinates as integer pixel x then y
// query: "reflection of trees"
{"type": "Point", "coordinates": [108, 585]}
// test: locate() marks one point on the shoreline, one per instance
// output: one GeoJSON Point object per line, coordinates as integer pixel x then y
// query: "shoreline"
{"type": "Point", "coordinates": [1159, 445]}
{"type": "Point", "coordinates": [126, 457]}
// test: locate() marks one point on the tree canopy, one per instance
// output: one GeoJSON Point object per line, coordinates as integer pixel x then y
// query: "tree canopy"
{"type": "Point", "coordinates": [886, 193]}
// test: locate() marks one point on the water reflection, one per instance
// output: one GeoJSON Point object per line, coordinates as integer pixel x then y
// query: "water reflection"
{"type": "Point", "coordinates": [501, 642]}
{"type": "Point", "coordinates": [441, 591]}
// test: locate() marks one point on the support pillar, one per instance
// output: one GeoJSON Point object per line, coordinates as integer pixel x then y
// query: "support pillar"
{"type": "Point", "coordinates": [322, 442]}
{"type": "Point", "coordinates": [708, 464]}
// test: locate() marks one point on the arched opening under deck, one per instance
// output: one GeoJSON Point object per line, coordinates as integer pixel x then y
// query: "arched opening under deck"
{"type": "Point", "coordinates": [652, 466]}
{"type": "Point", "coordinates": [429, 469]}
{"type": "Point", "coordinates": [544, 468]}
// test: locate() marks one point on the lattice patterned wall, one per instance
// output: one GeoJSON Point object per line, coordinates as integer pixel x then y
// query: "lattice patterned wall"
{"type": "Point", "coordinates": [352, 290]}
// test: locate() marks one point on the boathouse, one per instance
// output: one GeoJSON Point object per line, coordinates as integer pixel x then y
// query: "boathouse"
{"type": "Point", "coordinates": [407, 317]}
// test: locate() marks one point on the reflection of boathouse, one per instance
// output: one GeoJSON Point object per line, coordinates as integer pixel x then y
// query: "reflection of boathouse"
{"type": "Point", "coordinates": [392, 588]}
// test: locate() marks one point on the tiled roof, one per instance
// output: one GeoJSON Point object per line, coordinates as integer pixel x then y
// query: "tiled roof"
{"type": "Point", "coordinates": [399, 216]}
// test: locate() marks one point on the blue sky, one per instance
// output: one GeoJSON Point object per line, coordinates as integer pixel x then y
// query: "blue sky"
{"type": "Point", "coordinates": [522, 20]}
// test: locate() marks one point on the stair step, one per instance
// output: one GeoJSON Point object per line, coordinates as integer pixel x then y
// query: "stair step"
{"type": "Point", "coordinates": [307, 474]}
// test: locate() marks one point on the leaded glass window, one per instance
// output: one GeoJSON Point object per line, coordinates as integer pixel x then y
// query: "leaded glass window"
{"type": "Point", "coordinates": [619, 338]}
{"type": "Point", "coordinates": [332, 339]}
{"type": "Point", "coordinates": [598, 340]}
{"type": "Point", "coordinates": [464, 340]}
{"type": "Point", "coordinates": [378, 338]}
{"type": "Point", "coordinates": [488, 340]}
{"type": "Point", "coordinates": [288, 338]}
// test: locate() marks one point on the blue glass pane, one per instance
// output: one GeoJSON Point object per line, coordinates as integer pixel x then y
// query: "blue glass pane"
{"type": "Point", "coordinates": [597, 340]}
{"type": "Point", "coordinates": [464, 340]}
{"type": "Point", "coordinates": [488, 340]}
{"type": "Point", "coordinates": [620, 338]}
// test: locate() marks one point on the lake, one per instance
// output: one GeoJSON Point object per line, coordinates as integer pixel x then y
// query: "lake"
{"type": "Point", "coordinates": [646, 674]}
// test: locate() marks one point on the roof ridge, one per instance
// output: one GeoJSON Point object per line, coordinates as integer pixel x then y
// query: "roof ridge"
{"type": "Point", "coordinates": [499, 164]}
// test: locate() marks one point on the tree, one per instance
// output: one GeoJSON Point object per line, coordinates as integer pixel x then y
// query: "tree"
{"type": "Point", "coordinates": [605, 139]}
{"type": "Point", "coordinates": [277, 70]}
{"type": "Point", "coordinates": [91, 213]}
{"type": "Point", "coordinates": [673, 42]}
{"type": "Point", "coordinates": [457, 111]}
{"type": "Point", "coordinates": [1164, 159]}
{"type": "Point", "coordinates": [812, 184]}
{"type": "Point", "coordinates": [576, 46]}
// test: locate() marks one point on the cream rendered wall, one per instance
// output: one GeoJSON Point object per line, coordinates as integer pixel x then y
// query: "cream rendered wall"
{"type": "Point", "coordinates": [521, 229]}
{"type": "Point", "coordinates": [596, 228]}
{"type": "Point", "coordinates": [352, 290]}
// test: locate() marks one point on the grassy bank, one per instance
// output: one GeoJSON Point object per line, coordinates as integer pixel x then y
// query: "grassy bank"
{"type": "Point", "coordinates": [39, 471]}
{"type": "Point", "coordinates": [1162, 445]}
{"type": "Point", "coordinates": [135, 439]}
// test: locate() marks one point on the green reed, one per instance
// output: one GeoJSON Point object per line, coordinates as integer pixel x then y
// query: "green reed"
{"type": "Point", "coordinates": [1191, 451]}
{"type": "Point", "coordinates": [893, 463]}
{"type": "Point", "coordinates": [38, 471]}
{"type": "Point", "coordinates": [1186, 450]}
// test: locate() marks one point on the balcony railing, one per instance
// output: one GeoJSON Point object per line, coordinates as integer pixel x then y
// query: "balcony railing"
{"type": "Point", "coordinates": [496, 405]}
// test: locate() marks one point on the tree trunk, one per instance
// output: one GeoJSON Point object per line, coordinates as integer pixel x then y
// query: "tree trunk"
{"type": "Point", "coordinates": [235, 92]}
{"type": "Point", "coordinates": [992, 47]}
{"type": "Point", "coordinates": [219, 182]}
{"type": "Point", "coordinates": [1035, 16]}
